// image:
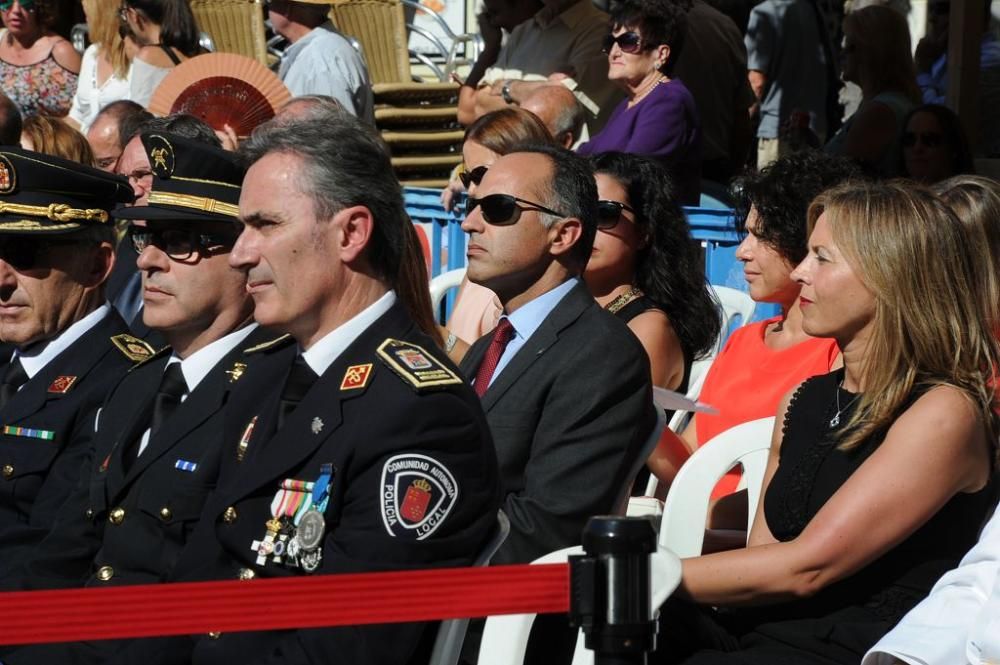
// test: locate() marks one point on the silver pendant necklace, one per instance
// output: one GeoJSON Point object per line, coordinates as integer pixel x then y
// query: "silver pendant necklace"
{"type": "Point", "coordinates": [835, 421]}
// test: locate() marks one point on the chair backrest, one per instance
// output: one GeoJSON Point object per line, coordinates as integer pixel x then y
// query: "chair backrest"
{"type": "Point", "coordinates": [380, 27]}
{"type": "Point", "coordinates": [685, 509]}
{"type": "Point", "coordinates": [443, 283]}
{"type": "Point", "coordinates": [505, 637]}
{"type": "Point", "coordinates": [235, 26]}
{"type": "Point", "coordinates": [451, 634]}
{"type": "Point", "coordinates": [621, 502]}
{"type": "Point", "coordinates": [735, 304]}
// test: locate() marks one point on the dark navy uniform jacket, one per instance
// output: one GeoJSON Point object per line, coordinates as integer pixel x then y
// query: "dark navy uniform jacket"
{"type": "Point", "coordinates": [46, 433]}
{"type": "Point", "coordinates": [414, 485]}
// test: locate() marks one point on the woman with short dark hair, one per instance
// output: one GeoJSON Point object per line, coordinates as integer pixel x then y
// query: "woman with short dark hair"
{"type": "Point", "coordinates": [658, 118]}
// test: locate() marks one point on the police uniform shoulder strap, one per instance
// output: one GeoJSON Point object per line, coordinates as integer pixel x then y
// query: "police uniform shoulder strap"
{"type": "Point", "coordinates": [135, 349]}
{"type": "Point", "coordinates": [419, 369]}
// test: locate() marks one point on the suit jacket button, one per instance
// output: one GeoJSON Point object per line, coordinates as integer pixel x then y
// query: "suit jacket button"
{"type": "Point", "coordinates": [165, 514]}
{"type": "Point", "coordinates": [8, 470]}
{"type": "Point", "coordinates": [247, 574]}
{"type": "Point", "coordinates": [117, 516]}
{"type": "Point", "coordinates": [229, 516]}
{"type": "Point", "coordinates": [89, 513]}
{"type": "Point", "coordinates": [105, 573]}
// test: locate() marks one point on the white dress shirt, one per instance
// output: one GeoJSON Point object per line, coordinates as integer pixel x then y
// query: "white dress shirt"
{"type": "Point", "coordinates": [37, 356]}
{"type": "Point", "coordinates": [321, 355]}
{"type": "Point", "coordinates": [959, 622]}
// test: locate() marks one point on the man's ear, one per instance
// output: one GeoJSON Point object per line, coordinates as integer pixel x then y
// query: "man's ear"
{"type": "Point", "coordinates": [356, 227]}
{"type": "Point", "coordinates": [102, 260]}
{"type": "Point", "coordinates": [563, 236]}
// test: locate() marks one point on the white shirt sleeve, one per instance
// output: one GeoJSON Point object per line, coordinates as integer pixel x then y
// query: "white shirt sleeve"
{"type": "Point", "coordinates": [82, 110]}
{"type": "Point", "coordinates": [959, 622]}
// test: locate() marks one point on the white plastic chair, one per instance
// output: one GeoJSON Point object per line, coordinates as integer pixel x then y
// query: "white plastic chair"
{"type": "Point", "coordinates": [443, 283]}
{"type": "Point", "coordinates": [735, 304]}
{"type": "Point", "coordinates": [685, 509]}
{"type": "Point", "coordinates": [505, 638]}
{"type": "Point", "coordinates": [451, 633]}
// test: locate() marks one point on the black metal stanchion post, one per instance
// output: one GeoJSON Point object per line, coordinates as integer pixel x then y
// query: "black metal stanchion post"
{"type": "Point", "coordinates": [610, 590]}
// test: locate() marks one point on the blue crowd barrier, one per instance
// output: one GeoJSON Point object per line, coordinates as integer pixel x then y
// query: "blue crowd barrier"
{"type": "Point", "coordinates": [711, 227]}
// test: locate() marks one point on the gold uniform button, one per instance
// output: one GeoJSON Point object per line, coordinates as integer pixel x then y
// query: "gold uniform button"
{"type": "Point", "coordinates": [117, 516]}
{"type": "Point", "coordinates": [89, 513]}
{"type": "Point", "coordinates": [247, 574]}
{"type": "Point", "coordinates": [214, 636]}
{"type": "Point", "coordinates": [105, 573]}
{"type": "Point", "coordinates": [229, 516]}
{"type": "Point", "coordinates": [8, 470]}
{"type": "Point", "coordinates": [165, 514]}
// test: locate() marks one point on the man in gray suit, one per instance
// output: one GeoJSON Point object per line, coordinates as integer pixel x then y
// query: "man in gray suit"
{"type": "Point", "coordinates": [565, 385]}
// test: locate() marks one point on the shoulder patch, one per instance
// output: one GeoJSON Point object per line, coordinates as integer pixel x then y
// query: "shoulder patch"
{"type": "Point", "coordinates": [416, 366]}
{"type": "Point", "coordinates": [133, 348]}
{"type": "Point", "coordinates": [417, 494]}
{"type": "Point", "coordinates": [276, 343]}
{"type": "Point", "coordinates": [159, 354]}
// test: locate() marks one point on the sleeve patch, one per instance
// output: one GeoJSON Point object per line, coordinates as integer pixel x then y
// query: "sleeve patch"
{"type": "Point", "coordinates": [417, 494]}
{"type": "Point", "coordinates": [420, 369]}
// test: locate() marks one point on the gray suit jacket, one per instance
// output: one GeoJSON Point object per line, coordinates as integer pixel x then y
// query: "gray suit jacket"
{"type": "Point", "coordinates": [569, 414]}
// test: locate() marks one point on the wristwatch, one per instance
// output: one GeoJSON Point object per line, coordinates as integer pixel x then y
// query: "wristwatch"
{"type": "Point", "coordinates": [505, 93]}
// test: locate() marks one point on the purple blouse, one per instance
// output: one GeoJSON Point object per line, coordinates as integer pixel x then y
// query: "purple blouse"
{"type": "Point", "coordinates": [664, 125]}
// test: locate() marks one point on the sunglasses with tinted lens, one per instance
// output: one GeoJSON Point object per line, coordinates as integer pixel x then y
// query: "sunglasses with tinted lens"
{"type": "Point", "coordinates": [178, 244]}
{"type": "Point", "coordinates": [25, 252]}
{"type": "Point", "coordinates": [609, 212]}
{"type": "Point", "coordinates": [26, 5]}
{"type": "Point", "coordinates": [628, 42]}
{"type": "Point", "coordinates": [929, 139]}
{"type": "Point", "coordinates": [504, 209]}
{"type": "Point", "coordinates": [473, 177]}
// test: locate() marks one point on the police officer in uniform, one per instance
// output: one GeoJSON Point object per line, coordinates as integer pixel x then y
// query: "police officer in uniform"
{"type": "Point", "coordinates": [367, 452]}
{"type": "Point", "coordinates": [69, 346]}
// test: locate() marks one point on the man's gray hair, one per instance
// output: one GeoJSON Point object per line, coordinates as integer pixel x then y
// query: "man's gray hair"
{"type": "Point", "coordinates": [343, 163]}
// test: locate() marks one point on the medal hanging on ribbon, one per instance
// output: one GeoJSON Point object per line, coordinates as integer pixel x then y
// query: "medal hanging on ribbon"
{"type": "Point", "coordinates": [307, 543]}
{"type": "Point", "coordinates": [287, 508]}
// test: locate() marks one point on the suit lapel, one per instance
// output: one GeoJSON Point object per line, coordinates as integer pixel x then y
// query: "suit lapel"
{"type": "Point", "coordinates": [565, 312]}
{"type": "Point", "coordinates": [75, 361]}
{"type": "Point", "coordinates": [139, 401]}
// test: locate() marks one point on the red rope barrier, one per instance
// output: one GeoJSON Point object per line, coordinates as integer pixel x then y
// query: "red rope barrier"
{"type": "Point", "coordinates": [305, 602]}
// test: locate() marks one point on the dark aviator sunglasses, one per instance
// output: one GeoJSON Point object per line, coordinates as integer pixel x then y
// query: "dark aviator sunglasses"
{"type": "Point", "coordinates": [473, 177]}
{"type": "Point", "coordinates": [504, 209]}
{"type": "Point", "coordinates": [177, 243]}
{"type": "Point", "coordinates": [609, 213]}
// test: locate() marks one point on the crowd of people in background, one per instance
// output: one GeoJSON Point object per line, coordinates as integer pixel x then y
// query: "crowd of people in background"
{"type": "Point", "coordinates": [224, 354]}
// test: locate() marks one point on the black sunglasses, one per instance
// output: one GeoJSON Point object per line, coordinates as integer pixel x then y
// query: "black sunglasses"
{"type": "Point", "coordinates": [473, 177]}
{"type": "Point", "coordinates": [25, 252]}
{"type": "Point", "coordinates": [628, 42]}
{"type": "Point", "coordinates": [609, 212]}
{"type": "Point", "coordinates": [179, 244]}
{"type": "Point", "coordinates": [929, 139]}
{"type": "Point", "coordinates": [503, 209]}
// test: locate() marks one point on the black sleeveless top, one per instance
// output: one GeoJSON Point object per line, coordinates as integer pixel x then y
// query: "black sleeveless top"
{"type": "Point", "coordinates": [643, 304]}
{"type": "Point", "coordinates": [846, 619]}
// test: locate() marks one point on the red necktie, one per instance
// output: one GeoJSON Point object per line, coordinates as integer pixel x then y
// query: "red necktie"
{"type": "Point", "coordinates": [502, 335]}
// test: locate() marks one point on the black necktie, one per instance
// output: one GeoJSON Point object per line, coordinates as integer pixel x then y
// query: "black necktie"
{"type": "Point", "coordinates": [168, 396]}
{"type": "Point", "coordinates": [13, 379]}
{"type": "Point", "coordinates": [300, 379]}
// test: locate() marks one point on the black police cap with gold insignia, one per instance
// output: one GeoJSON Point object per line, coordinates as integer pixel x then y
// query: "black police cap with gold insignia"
{"type": "Point", "coordinates": [191, 181]}
{"type": "Point", "coordinates": [45, 194]}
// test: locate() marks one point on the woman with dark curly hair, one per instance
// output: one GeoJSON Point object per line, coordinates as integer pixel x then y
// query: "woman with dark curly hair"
{"type": "Point", "coordinates": [658, 118]}
{"type": "Point", "coordinates": [646, 269]}
{"type": "Point", "coordinates": [38, 68]}
{"type": "Point", "coordinates": [761, 361]}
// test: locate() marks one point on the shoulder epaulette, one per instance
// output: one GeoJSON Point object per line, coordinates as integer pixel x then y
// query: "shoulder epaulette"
{"type": "Point", "coordinates": [418, 368]}
{"type": "Point", "coordinates": [133, 348]}
{"type": "Point", "coordinates": [276, 343]}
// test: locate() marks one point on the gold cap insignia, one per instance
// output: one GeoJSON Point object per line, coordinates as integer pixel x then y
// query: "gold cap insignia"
{"type": "Point", "coordinates": [62, 384]}
{"type": "Point", "coordinates": [8, 176]}
{"type": "Point", "coordinates": [134, 348]}
{"type": "Point", "coordinates": [161, 156]}
{"type": "Point", "coordinates": [356, 377]}
{"type": "Point", "coordinates": [422, 370]}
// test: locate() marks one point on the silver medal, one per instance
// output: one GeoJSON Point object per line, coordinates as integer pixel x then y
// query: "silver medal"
{"type": "Point", "coordinates": [309, 533]}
